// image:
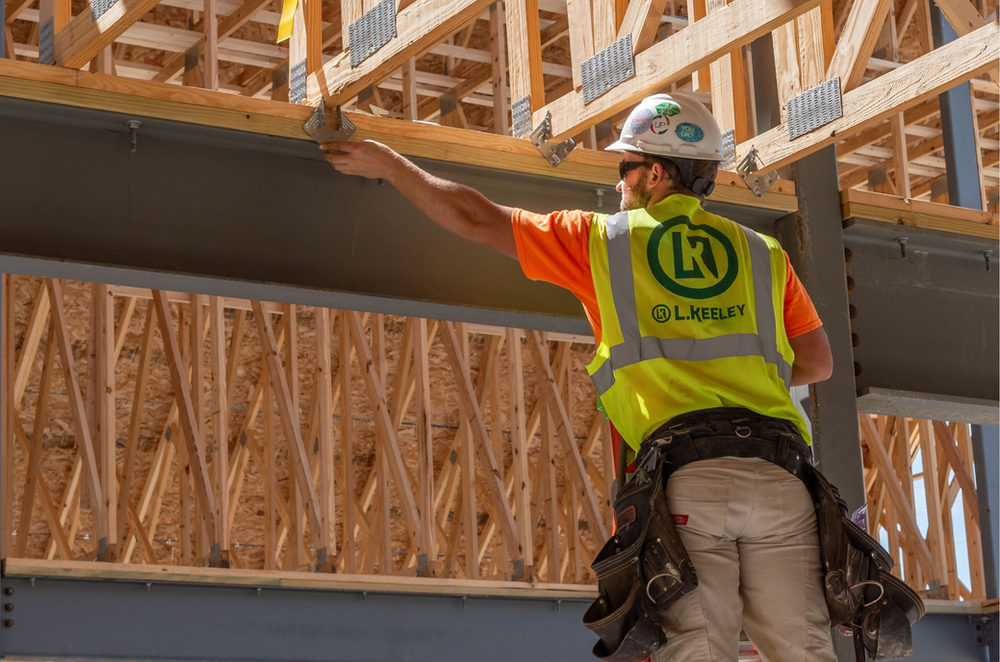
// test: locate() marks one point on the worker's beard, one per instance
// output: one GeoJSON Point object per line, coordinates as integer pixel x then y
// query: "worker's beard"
{"type": "Point", "coordinates": [636, 197]}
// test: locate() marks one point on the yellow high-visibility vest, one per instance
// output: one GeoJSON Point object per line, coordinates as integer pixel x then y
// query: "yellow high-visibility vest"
{"type": "Point", "coordinates": [692, 317]}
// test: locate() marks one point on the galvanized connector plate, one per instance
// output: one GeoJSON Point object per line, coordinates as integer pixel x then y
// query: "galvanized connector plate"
{"type": "Point", "coordinates": [317, 127]}
{"type": "Point", "coordinates": [759, 182]}
{"type": "Point", "coordinates": [520, 112]}
{"type": "Point", "coordinates": [555, 153]}
{"type": "Point", "coordinates": [728, 149]}
{"type": "Point", "coordinates": [99, 8]}
{"type": "Point", "coordinates": [607, 69]}
{"type": "Point", "coordinates": [814, 108]}
{"type": "Point", "coordinates": [372, 31]}
{"type": "Point", "coordinates": [297, 83]}
{"type": "Point", "coordinates": [46, 41]}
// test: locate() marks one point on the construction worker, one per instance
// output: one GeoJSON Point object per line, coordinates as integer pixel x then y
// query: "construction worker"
{"type": "Point", "coordinates": [700, 323]}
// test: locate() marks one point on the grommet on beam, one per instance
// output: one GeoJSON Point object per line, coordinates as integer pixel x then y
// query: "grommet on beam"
{"type": "Point", "coordinates": [133, 130]}
{"type": "Point", "coordinates": [902, 246]}
{"type": "Point", "coordinates": [555, 153]}
{"type": "Point", "coordinates": [987, 255]}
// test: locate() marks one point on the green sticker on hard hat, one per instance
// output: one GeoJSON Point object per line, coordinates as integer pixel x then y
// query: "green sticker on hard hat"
{"type": "Point", "coordinates": [660, 125]}
{"type": "Point", "coordinates": [691, 133]}
{"type": "Point", "coordinates": [668, 108]}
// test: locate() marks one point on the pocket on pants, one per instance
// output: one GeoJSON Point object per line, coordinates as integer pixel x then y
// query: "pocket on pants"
{"type": "Point", "coordinates": [699, 506]}
{"type": "Point", "coordinates": [798, 514]}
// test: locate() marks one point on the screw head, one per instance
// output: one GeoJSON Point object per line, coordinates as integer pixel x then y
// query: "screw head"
{"type": "Point", "coordinates": [8, 591]}
{"type": "Point", "coordinates": [8, 607]}
{"type": "Point", "coordinates": [8, 623]}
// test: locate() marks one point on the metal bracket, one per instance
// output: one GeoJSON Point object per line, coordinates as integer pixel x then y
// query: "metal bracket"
{"type": "Point", "coordinates": [748, 170]}
{"type": "Point", "coordinates": [606, 69]}
{"type": "Point", "coordinates": [520, 111]}
{"type": "Point", "coordinates": [372, 31]}
{"type": "Point", "coordinates": [728, 149]}
{"type": "Point", "coordinates": [297, 83]}
{"type": "Point", "coordinates": [984, 630]}
{"type": "Point", "coordinates": [814, 108]}
{"type": "Point", "coordinates": [317, 126]}
{"type": "Point", "coordinates": [555, 153]}
{"type": "Point", "coordinates": [46, 42]}
{"type": "Point", "coordinates": [99, 8]}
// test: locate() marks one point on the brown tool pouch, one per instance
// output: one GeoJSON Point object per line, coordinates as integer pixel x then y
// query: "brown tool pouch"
{"type": "Point", "coordinates": [641, 570]}
{"type": "Point", "coordinates": [861, 592]}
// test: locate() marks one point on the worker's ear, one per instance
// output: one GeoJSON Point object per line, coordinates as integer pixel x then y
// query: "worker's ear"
{"type": "Point", "coordinates": [657, 174]}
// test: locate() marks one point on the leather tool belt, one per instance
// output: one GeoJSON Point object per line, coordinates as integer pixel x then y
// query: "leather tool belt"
{"type": "Point", "coordinates": [861, 593]}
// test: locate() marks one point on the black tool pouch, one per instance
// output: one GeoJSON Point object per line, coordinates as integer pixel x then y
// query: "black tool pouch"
{"type": "Point", "coordinates": [861, 591]}
{"type": "Point", "coordinates": [640, 571]}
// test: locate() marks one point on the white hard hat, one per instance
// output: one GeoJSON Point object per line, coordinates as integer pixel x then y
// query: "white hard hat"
{"type": "Point", "coordinates": [671, 125]}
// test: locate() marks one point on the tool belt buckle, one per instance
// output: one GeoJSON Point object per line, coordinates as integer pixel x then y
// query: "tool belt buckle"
{"type": "Point", "coordinates": [743, 431]}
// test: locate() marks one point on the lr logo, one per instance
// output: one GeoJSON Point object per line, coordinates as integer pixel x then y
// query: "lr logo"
{"type": "Point", "coordinates": [661, 313]}
{"type": "Point", "coordinates": [696, 266]}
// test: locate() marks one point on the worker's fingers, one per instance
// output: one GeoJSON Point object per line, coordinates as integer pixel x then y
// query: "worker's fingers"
{"type": "Point", "coordinates": [338, 146]}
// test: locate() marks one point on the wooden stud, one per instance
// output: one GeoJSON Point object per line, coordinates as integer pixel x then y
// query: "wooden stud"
{"type": "Point", "coordinates": [581, 36]}
{"type": "Point", "coordinates": [135, 425]}
{"type": "Point", "coordinates": [104, 307]}
{"type": "Point", "coordinates": [425, 444]}
{"type": "Point", "coordinates": [210, 50]}
{"type": "Point", "coordinates": [498, 69]}
{"type": "Point", "coordinates": [327, 472]}
{"type": "Point", "coordinates": [347, 441]}
{"type": "Point", "coordinates": [220, 424]}
{"type": "Point", "coordinates": [524, 46]}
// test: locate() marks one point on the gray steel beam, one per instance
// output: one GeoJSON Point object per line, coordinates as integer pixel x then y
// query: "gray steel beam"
{"type": "Point", "coordinates": [986, 452]}
{"type": "Point", "coordinates": [115, 620]}
{"type": "Point", "coordinates": [926, 324]}
{"type": "Point", "coordinates": [814, 241]}
{"type": "Point", "coordinates": [957, 129]}
{"type": "Point", "coordinates": [948, 637]}
{"type": "Point", "coordinates": [223, 212]}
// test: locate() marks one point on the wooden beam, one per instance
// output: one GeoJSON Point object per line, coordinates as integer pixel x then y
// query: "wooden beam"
{"type": "Point", "coordinates": [220, 422]}
{"type": "Point", "coordinates": [418, 27]}
{"type": "Point", "coordinates": [289, 416]}
{"type": "Point", "coordinates": [730, 88]}
{"type": "Point", "coordinates": [498, 69]}
{"type": "Point", "coordinates": [897, 90]}
{"type": "Point", "coordinates": [891, 481]}
{"type": "Point", "coordinates": [84, 37]}
{"type": "Point", "coordinates": [174, 63]}
{"type": "Point", "coordinates": [82, 427]}
{"type": "Point", "coordinates": [210, 26]}
{"type": "Point", "coordinates": [964, 18]}
{"type": "Point", "coordinates": [581, 36]}
{"type": "Point", "coordinates": [784, 42]}
{"type": "Point", "coordinates": [193, 442]}
{"type": "Point", "coordinates": [376, 391]}
{"type": "Point", "coordinates": [864, 24]}
{"type": "Point", "coordinates": [494, 484]}
{"type": "Point", "coordinates": [642, 21]}
{"type": "Point", "coordinates": [577, 472]}
{"type": "Point", "coordinates": [816, 44]}
{"type": "Point", "coordinates": [327, 471]}
{"type": "Point", "coordinates": [104, 431]}
{"type": "Point", "coordinates": [671, 60]}
{"type": "Point", "coordinates": [524, 48]}
{"type": "Point", "coordinates": [962, 474]}
{"type": "Point", "coordinates": [425, 441]}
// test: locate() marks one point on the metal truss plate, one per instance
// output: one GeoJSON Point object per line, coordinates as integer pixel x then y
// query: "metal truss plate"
{"type": "Point", "coordinates": [814, 108]}
{"type": "Point", "coordinates": [191, 58]}
{"type": "Point", "coordinates": [448, 104]}
{"type": "Point", "coordinates": [46, 42]}
{"type": "Point", "coordinates": [99, 8]}
{"type": "Point", "coordinates": [521, 114]}
{"type": "Point", "coordinates": [607, 69]}
{"type": "Point", "coordinates": [297, 83]}
{"type": "Point", "coordinates": [372, 31]}
{"type": "Point", "coordinates": [728, 149]}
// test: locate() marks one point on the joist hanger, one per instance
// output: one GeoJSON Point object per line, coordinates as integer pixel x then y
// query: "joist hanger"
{"type": "Point", "coordinates": [322, 132]}
{"type": "Point", "coordinates": [747, 169]}
{"type": "Point", "coordinates": [555, 153]}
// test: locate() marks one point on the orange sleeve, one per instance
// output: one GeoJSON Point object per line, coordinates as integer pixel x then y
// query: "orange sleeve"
{"type": "Point", "coordinates": [800, 313]}
{"type": "Point", "coordinates": [556, 248]}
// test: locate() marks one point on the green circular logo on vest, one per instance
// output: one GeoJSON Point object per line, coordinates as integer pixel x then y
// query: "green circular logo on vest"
{"type": "Point", "coordinates": [661, 313]}
{"type": "Point", "coordinates": [697, 264]}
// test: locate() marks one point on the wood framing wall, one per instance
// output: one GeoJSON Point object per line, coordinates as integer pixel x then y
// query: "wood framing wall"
{"type": "Point", "coordinates": [167, 428]}
{"type": "Point", "coordinates": [360, 443]}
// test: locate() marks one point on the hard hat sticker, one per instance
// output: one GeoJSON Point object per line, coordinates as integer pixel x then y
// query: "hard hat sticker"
{"type": "Point", "coordinates": [641, 121]}
{"type": "Point", "coordinates": [690, 132]}
{"type": "Point", "coordinates": [660, 125]}
{"type": "Point", "coordinates": [668, 108]}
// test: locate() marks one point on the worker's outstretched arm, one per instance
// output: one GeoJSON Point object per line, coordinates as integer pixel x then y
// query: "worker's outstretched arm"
{"type": "Point", "coordinates": [457, 208]}
{"type": "Point", "coordinates": [813, 358]}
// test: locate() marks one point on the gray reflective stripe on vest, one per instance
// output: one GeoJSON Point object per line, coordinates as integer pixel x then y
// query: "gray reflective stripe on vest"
{"type": "Point", "coordinates": [636, 348]}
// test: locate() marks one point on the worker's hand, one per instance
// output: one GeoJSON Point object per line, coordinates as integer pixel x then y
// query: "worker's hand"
{"type": "Point", "coordinates": [364, 159]}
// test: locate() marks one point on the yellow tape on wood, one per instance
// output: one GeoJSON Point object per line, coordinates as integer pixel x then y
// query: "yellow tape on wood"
{"type": "Point", "coordinates": [287, 20]}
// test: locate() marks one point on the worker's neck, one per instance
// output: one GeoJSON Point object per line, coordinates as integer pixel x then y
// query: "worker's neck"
{"type": "Point", "coordinates": [660, 196]}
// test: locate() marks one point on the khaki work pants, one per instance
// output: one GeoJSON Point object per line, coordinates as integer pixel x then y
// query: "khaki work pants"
{"type": "Point", "coordinates": [750, 528]}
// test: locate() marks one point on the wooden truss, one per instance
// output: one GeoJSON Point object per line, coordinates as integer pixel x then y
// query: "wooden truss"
{"type": "Point", "coordinates": [461, 63]}
{"type": "Point", "coordinates": [904, 457]}
{"type": "Point", "coordinates": [167, 428]}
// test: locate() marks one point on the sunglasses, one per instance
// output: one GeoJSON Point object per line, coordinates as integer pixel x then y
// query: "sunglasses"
{"type": "Point", "coordinates": [625, 167]}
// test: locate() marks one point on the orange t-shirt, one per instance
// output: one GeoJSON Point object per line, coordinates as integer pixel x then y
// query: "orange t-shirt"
{"type": "Point", "coordinates": [556, 248]}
